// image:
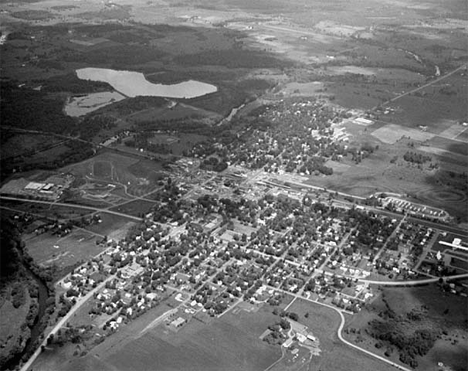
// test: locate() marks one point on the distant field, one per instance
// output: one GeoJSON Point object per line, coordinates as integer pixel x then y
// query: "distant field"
{"type": "Point", "coordinates": [414, 111]}
{"type": "Point", "coordinates": [454, 146]}
{"type": "Point", "coordinates": [177, 113]}
{"type": "Point", "coordinates": [391, 133]}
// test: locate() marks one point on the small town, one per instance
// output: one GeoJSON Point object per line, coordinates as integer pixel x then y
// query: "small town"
{"type": "Point", "coordinates": [212, 253]}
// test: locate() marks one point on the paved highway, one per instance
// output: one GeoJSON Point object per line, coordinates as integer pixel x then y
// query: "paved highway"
{"type": "Point", "coordinates": [416, 282]}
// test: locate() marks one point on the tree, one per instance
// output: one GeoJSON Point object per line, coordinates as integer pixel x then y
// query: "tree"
{"type": "Point", "coordinates": [284, 323]}
{"type": "Point", "coordinates": [294, 316]}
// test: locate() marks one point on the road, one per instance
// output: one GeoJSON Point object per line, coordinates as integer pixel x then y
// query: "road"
{"type": "Point", "coordinates": [64, 320]}
{"type": "Point", "coordinates": [426, 85]}
{"type": "Point", "coordinates": [394, 233]}
{"type": "Point", "coordinates": [340, 336]}
{"type": "Point", "coordinates": [415, 282]}
{"type": "Point", "coordinates": [39, 132]}
{"type": "Point", "coordinates": [160, 319]}
{"type": "Point", "coordinates": [51, 203]}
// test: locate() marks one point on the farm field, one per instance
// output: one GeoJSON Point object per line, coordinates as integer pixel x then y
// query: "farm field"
{"type": "Point", "coordinates": [386, 170]}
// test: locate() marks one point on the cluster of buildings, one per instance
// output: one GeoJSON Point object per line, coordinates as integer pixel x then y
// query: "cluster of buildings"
{"type": "Point", "coordinates": [50, 189]}
{"type": "Point", "coordinates": [417, 210]}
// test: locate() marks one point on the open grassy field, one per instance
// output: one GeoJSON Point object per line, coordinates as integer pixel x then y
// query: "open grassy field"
{"type": "Point", "coordinates": [229, 343]}
{"type": "Point", "coordinates": [65, 251]}
{"type": "Point", "coordinates": [113, 226]}
{"type": "Point", "coordinates": [197, 346]}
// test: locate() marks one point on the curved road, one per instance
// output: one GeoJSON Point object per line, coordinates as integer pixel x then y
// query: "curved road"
{"type": "Point", "coordinates": [340, 329]}
{"type": "Point", "coordinates": [416, 282]}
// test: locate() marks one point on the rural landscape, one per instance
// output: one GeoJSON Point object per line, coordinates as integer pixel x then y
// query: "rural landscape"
{"type": "Point", "coordinates": [233, 185]}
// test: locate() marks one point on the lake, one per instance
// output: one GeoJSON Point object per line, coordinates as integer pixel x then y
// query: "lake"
{"type": "Point", "coordinates": [133, 84]}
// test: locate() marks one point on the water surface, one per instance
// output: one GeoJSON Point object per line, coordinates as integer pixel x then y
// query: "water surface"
{"type": "Point", "coordinates": [134, 84]}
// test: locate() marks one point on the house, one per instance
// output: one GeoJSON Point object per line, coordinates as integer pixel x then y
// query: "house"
{"type": "Point", "coordinates": [301, 337]}
{"type": "Point", "coordinates": [178, 322]}
{"type": "Point", "coordinates": [288, 343]}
